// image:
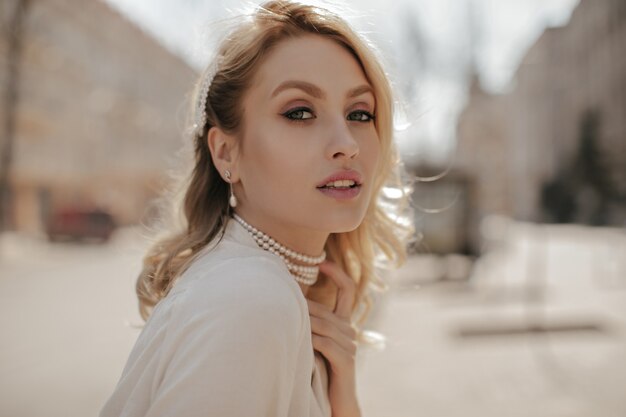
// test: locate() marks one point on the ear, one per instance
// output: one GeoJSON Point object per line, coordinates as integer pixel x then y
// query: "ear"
{"type": "Point", "coordinates": [224, 152]}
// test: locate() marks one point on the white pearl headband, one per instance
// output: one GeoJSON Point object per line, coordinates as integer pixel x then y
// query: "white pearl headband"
{"type": "Point", "coordinates": [200, 116]}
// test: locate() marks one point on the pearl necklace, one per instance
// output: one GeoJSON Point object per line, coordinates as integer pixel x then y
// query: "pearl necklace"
{"type": "Point", "coordinates": [304, 274]}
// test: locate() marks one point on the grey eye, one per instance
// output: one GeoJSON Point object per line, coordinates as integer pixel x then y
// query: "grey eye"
{"type": "Point", "coordinates": [299, 114]}
{"type": "Point", "coordinates": [360, 116]}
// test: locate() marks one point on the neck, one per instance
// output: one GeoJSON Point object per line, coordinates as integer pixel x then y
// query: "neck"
{"type": "Point", "coordinates": [300, 239]}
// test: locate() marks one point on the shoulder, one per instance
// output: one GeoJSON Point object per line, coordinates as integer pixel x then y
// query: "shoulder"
{"type": "Point", "coordinates": [250, 293]}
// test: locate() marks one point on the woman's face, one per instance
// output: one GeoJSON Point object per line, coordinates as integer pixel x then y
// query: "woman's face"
{"type": "Point", "coordinates": [307, 116]}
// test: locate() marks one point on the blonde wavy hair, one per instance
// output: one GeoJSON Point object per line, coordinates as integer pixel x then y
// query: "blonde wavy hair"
{"type": "Point", "coordinates": [197, 203]}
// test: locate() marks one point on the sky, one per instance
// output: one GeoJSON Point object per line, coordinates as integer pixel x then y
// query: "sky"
{"type": "Point", "coordinates": [428, 46]}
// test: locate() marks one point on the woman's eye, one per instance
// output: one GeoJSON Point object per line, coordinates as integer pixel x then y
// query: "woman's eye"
{"type": "Point", "coordinates": [299, 114]}
{"type": "Point", "coordinates": [361, 116]}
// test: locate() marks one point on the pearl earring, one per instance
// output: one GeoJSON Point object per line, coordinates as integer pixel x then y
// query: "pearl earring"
{"type": "Point", "coordinates": [232, 200]}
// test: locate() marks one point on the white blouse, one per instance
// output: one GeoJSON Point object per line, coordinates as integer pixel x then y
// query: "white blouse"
{"type": "Point", "coordinates": [232, 338]}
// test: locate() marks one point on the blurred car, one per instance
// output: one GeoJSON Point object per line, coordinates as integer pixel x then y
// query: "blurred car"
{"type": "Point", "coordinates": [78, 224]}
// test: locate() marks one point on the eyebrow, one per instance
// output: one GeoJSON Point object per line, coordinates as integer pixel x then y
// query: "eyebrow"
{"type": "Point", "coordinates": [315, 91]}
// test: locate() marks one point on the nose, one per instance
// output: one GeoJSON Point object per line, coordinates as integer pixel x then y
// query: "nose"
{"type": "Point", "coordinates": [343, 144]}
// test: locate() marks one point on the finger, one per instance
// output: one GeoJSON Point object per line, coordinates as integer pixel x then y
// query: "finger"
{"type": "Point", "coordinates": [335, 354]}
{"type": "Point", "coordinates": [345, 335]}
{"type": "Point", "coordinates": [322, 311]}
{"type": "Point", "coordinates": [346, 288]}
{"type": "Point", "coordinates": [318, 308]}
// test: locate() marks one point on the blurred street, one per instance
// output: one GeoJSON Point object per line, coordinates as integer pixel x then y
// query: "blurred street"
{"type": "Point", "coordinates": [538, 329]}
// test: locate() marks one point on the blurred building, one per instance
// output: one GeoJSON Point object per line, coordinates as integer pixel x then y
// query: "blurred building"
{"type": "Point", "coordinates": [554, 148]}
{"type": "Point", "coordinates": [100, 112]}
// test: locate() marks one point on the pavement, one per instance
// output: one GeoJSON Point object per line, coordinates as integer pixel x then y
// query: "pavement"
{"type": "Point", "coordinates": [535, 327]}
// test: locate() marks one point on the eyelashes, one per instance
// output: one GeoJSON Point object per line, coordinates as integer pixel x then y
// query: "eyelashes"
{"type": "Point", "coordinates": [302, 114]}
{"type": "Point", "coordinates": [362, 116]}
{"type": "Point", "coordinates": [298, 114]}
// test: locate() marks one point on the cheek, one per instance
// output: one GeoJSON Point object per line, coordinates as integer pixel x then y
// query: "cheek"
{"type": "Point", "coordinates": [371, 152]}
{"type": "Point", "coordinates": [262, 161]}
{"type": "Point", "coordinates": [275, 166]}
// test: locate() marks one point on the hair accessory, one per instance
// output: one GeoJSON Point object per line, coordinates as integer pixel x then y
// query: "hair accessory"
{"type": "Point", "coordinates": [304, 274]}
{"type": "Point", "coordinates": [198, 126]}
{"type": "Point", "coordinates": [203, 94]}
{"type": "Point", "coordinates": [232, 200]}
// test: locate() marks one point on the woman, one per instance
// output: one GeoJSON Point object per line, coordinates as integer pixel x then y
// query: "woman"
{"type": "Point", "coordinates": [252, 303]}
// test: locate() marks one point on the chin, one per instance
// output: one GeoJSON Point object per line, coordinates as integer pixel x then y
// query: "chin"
{"type": "Point", "coordinates": [335, 218]}
{"type": "Point", "coordinates": [346, 223]}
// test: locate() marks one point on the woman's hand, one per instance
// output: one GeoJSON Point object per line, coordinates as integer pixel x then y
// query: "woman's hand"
{"type": "Point", "coordinates": [334, 336]}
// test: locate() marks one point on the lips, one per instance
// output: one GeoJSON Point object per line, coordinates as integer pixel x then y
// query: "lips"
{"type": "Point", "coordinates": [340, 185]}
{"type": "Point", "coordinates": [337, 185]}
{"type": "Point", "coordinates": [341, 193]}
{"type": "Point", "coordinates": [349, 174]}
